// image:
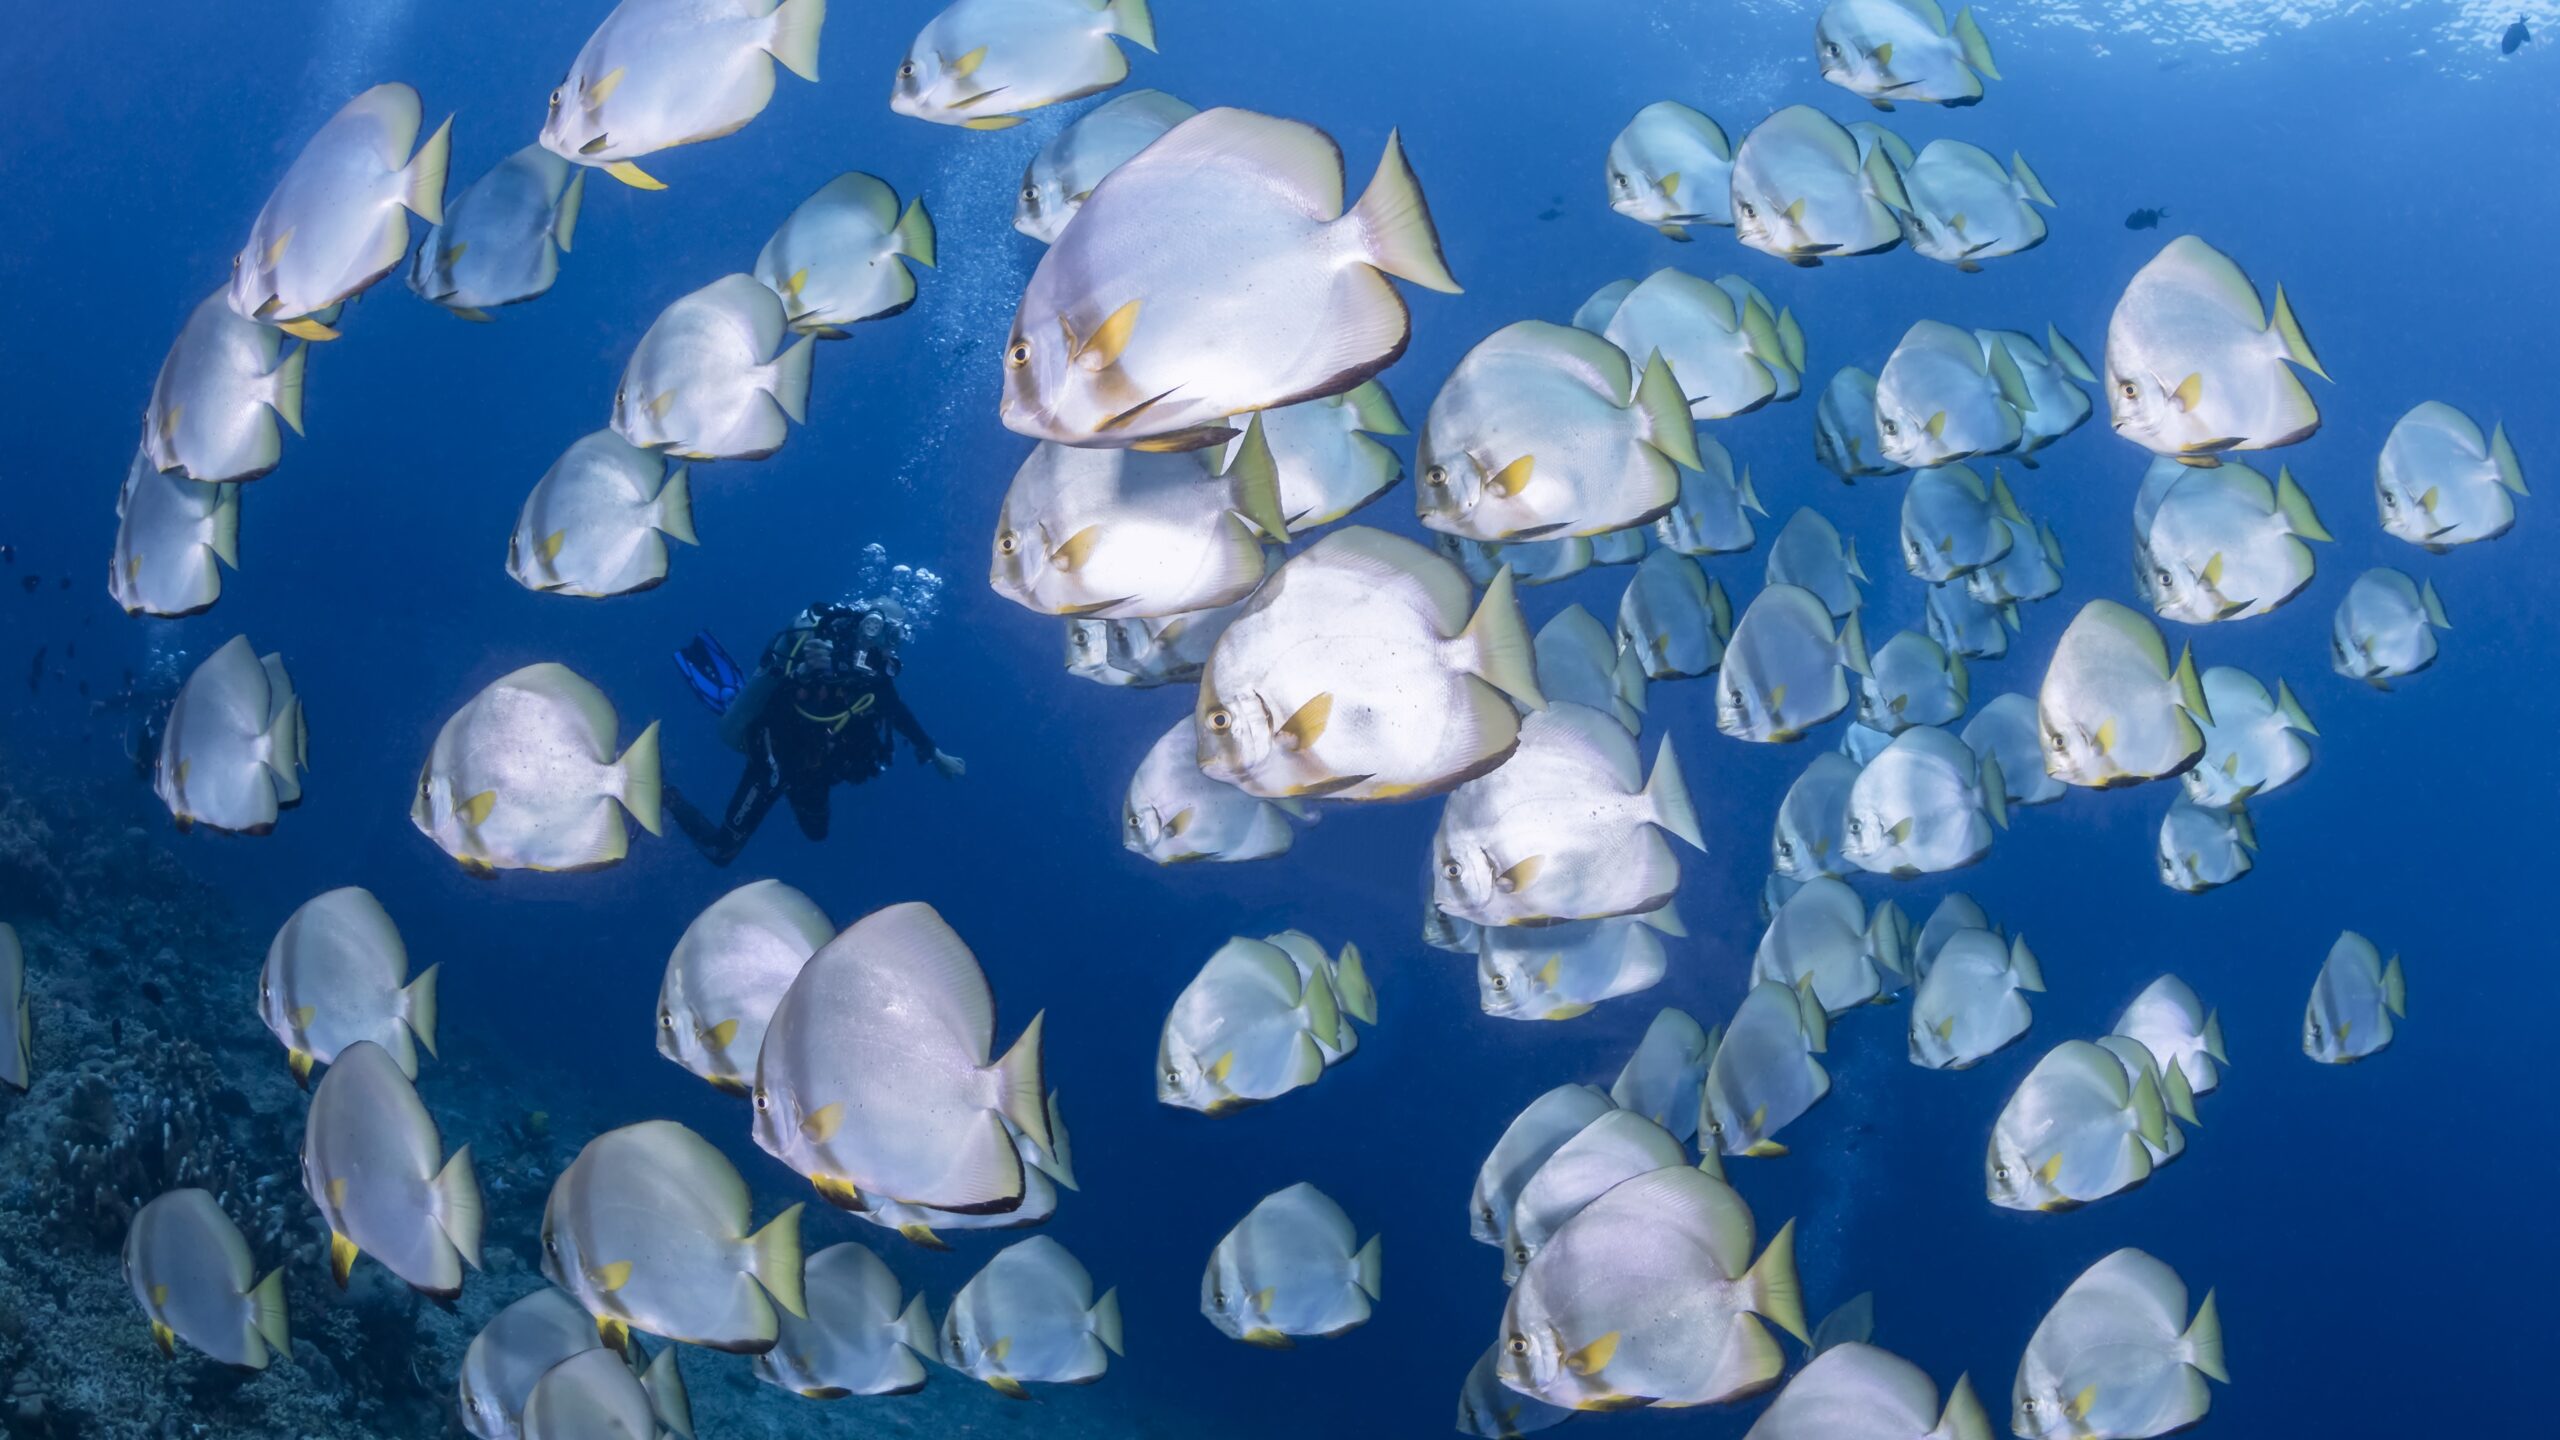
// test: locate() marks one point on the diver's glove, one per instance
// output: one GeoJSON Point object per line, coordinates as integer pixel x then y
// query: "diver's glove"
{"type": "Point", "coordinates": [951, 766]}
{"type": "Point", "coordinates": [814, 660]}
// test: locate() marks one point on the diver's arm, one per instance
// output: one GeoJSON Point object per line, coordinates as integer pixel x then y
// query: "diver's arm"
{"type": "Point", "coordinates": [904, 719]}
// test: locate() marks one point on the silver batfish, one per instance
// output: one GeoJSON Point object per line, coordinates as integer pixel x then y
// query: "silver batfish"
{"type": "Point", "coordinates": [1894, 51]}
{"type": "Point", "coordinates": [1357, 672]}
{"type": "Point", "coordinates": [339, 219]}
{"type": "Point", "coordinates": [2075, 1130]}
{"type": "Point", "coordinates": [1114, 533]}
{"type": "Point", "coordinates": [858, 1339]}
{"type": "Point", "coordinates": [2112, 709]}
{"type": "Point", "coordinates": [1545, 430]}
{"type": "Point", "coordinates": [1940, 399]}
{"type": "Point", "coordinates": [1912, 679]}
{"type": "Point", "coordinates": [375, 1168]}
{"type": "Point", "coordinates": [2440, 484]}
{"type": "Point", "coordinates": [980, 63]}
{"type": "Point", "coordinates": [1651, 1296]}
{"type": "Point", "coordinates": [598, 521]}
{"type": "Point", "coordinates": [501, 240]}
{"type": "Point", "coordinates": [1802, 192]}
{"type": "Point", "coordinates": [2385, 628]}
{"type": "Point", "coordinates": [234, 747]}
{"type": "Point", "coordinates": [191, 1272]}
{"type": "Point", "coordinates": [512, 1353]}
{"type": "Point", "coordinates": [524, 777]}
{"type": "Point", "coordinates": [842, 256]}
{"type": "Point", "coordinates": [1132, 329]}
{"type": "Point", "coordinates": [1764, 1076]}
{"type": "Point", "coordinates": [1292, 1266]}
{"type": "Point", "coordinates": [1845, 438]}
{"type": "Point", "coordinates": [1672, 168]}
{"type": "Point", "coordinates": [213, 409]}
{"type": "Point", "coordinates": [1813, 819]}
{"type": "Point", "coordinates": [662, 73]}
{"type": "Point", "coordinates": [2179, 1031]}
{"type": "Point", "coordinates": [1616, 1147]}
{"type": "Point", "coordinates": [2117, 1356]}
{"type": "Point", "coordinates": [2354, 1002]}
{"type": "Point", "coordinates": [173, 536]}
{"type": "Point", "coordinates": [1713, 514]}
{"type": "Point", "coordinates": [1965, 208]}
{"type": "Point", "coordinates": [728, 971]}
{"type": "Point", "coordinates": [1063, 175]}
{"type": "Point", "coordinates": [1927, 804]}
{"type": "Point", "coordinates": [1174, 814]}
{"type": "Point", "coordinates": [1973, 1000]}
{"type": "Point", "coordinates": [2195, 368]}
{"type": "Point", "coordinates": [1673, 618]}
{"type": "Point", "coordinates": [337, 973]}
{"type": "Point", "coordinates": [1785, 670]}
{"type": "Point", "coordinates": [2255, 742]}
{"type": "Point", "coordinates": [1854, 1391]}
{"type": "Point", "coordinates": [1809, 552]}
{"type": "Point", "coordinates": [713, 379]}
{"type": "Point", "coordinates": [875, 1078]}
{"type": "Point", "coordinates": [1538, 1131]}
{"type": "Point", "coordinates": [1030, 1316]}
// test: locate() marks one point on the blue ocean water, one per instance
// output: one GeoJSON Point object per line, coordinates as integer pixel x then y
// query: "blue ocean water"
{"type": "Point", "coordinates": [2374, 1232]}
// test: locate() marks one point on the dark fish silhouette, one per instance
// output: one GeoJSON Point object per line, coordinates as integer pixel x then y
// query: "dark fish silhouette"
{"type": "Point", "coordinates": [30, 583]}
{"type": "Point", "coordinates": [2516, 38]}
{"type": "Point", "coordinates": [2144, 219]}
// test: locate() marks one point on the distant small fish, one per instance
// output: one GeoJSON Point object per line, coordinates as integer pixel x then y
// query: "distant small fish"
{"type": "Point", "coordinates": [2516, 38]}
{"type": "Point", "coordinates": [1550, 213]}
{"type": "Point", "coordinates": [30, 583]}
{"type": "Point", "coordinates": [2144, 219]}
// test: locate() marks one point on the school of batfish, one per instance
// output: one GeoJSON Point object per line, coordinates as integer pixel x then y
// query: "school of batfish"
{"type": "Point", "coordinates": [1172, 512]}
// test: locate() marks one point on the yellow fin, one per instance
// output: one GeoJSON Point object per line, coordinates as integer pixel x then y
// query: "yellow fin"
{"type": "Point", "coordinates": [820, 1124]}
{"type": "Point", "coordinates": [994, 122]}
{"type": "Point", "coordinates": [302, 1016]}
{"type": "Point", "coordinates": [307, 328]}
{"type": "Point", "coordinates": [918, 1233]}
{"type": "Point", "coordinates": [1795, 212]}
{"type": "Point", "coordinates": [342, 1258]}
{"type": "Point", "coordinates": [799, 278]}
{"type": "Point", "coordinates": [2105, 739]}
{"type": "Point", "coordinates": [633, 176]}
{"type": "Point", "coordinates": [1105, 344]}
{"type": "Point", "coordinates": [275, 252]}
{"type": "Point", "coordinates": [164, 1337]}
{"type": "Point", "coordinates": [1269, 1339]}
{"type": "Point", "coordinates": [719, 1036]}
{"type": "Point", "coordinates": [1262, 1298]}
{"type": "Point", "coordinates": [1181, 820]}
{"type": "Point", "coordinates": [2050, 1168]}
{"type": "Point", "coordinates": [1884, 53]}
{"type": "Point", "coordinates": [1591, 1359]}
{"type": "Point", "coordinates": [602, 90]}
{"type": "Point", "coordinates": [1937, 426]}
{"type": "Point", "coordinates": [338, 1192]}
{"type": "Point", "coordinates": [1511, 479]}
{"type": "Point", "coordinates": [1071, 555]}
{"type": "Point", "coordinates": [1218, 1069]}
{"type": "Point", "coordinates": [661, 403]}
{"type": "Point", "coordinates": [300, 1060]}
{"type": "Point", "coordinates": [1548, 973]}
{"type": "Point", "coordinates": [1008, 1387]}
{"type": "Point", "coordinates": [1520, 876]}
{"type": "Point", "coordinates": [967, 65]}
{"type": "Point", "coordinates": [1000, 1349]}
{"type": "Point", "coordinates": [615, 1334]}
{"type": "Point", "coordinates": [2082, 1403]}
{"type": "Point", "coordinates": [609, 1278]}
{"type": "Point", "coordinates": [475, 811]}
{"type": "Point", "coordinates": [839, 1192]}
{"type": "Point", "coordinates": [1669, 182]}
{"type": "Point", "coordinates": [1306, 726]}
{"type": "Point", "coordinates": [551, 544]}
{"type": "Point", "coordinates": [456, 251]}
{"type": "Point", "coordinates": [2189, 392]}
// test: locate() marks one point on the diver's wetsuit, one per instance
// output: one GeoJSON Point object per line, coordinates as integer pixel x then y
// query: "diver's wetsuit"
{"type": "Point", "coordinates": [807, 732]}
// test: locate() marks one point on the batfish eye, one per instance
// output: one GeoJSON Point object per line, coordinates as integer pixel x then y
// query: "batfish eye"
{"type": "Point", "coordinates": [1890, 427]}
{"type": "Point", "coordinates": [1173, 1077]}
{"type": "Point", "coordinates": [1715, 1127]}
{"type": "Point", "coordinates": [907, 71]}
{"type": "Point", "coordinates": [1857, 827]}
{"type": "Point", "coordinates": [1217, 1297]}
{"type": "Point", "coordinates": [1221, 721]}
{"type": "Point", "coordinates": [2059, 744]}
{"type": "Point", "coordinates": [2390, 501]}
{"type": "Point", "coordinates": [1748, 212]}
{"type": "Point", "coordinates": [555, 99]}
{"type": "Point", "coordinates": [763, 1102]}
{"type": "Point", "coordinates": [666, 1020]}
{"type": "Point", "coordinates": [1030, 194]}
{"type": "Point", "coordinates": [1502, 982]}
{"type": "Point", "coordinates": [1019, 355]}
{"type": "Point", "coordinates": [1450, 870]}
{"type": "Point", "coordinates": [1519, 1345]}
{"type": "Point", "coordinates": [2002, 1173]}
{"type": "Point", "coordinates": [1006, 544]}
{"type": "Point", "coordinates": [2031, 1404]}
{"type": "Point", "coordinates": [1832, 49]}
{"type": "Point", "coordinates": [1437, 475]}
{"type": "Point", "coordinates": [1520, 1253]}
{"type": "Point", "coordinates": [2127, 391]}
{"type": "Point", "coordinates": [1786, 850]}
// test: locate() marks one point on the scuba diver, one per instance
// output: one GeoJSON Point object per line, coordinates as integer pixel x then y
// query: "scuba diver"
{"type": "Point", "coordinates": [817, 713]}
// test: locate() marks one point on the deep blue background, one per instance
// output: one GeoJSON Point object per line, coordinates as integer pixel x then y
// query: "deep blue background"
{"type": "Point", "coordinates": [2376, 1232]}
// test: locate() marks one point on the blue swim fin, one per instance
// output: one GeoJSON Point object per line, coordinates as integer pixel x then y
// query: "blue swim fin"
{"type": "Point", "coordinates": [715, 678]}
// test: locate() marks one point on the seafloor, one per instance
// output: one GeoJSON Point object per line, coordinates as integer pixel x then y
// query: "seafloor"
{"type": "Point", "coordinates": [153, 1071]}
